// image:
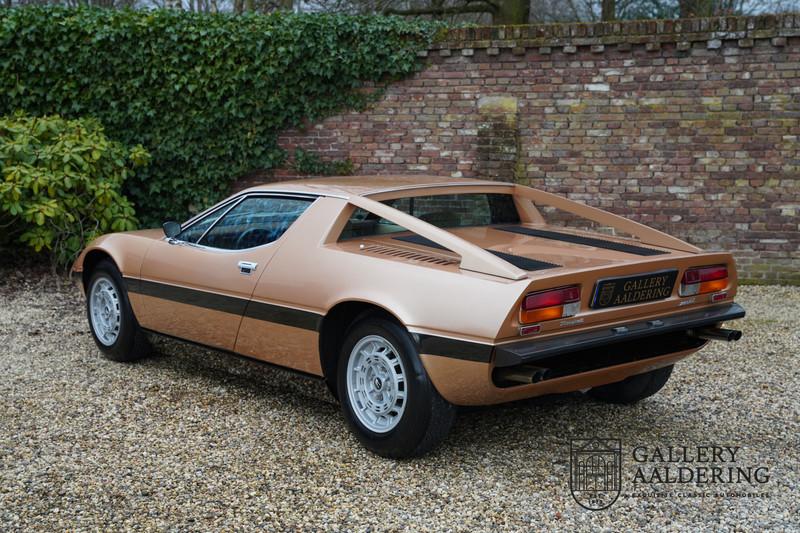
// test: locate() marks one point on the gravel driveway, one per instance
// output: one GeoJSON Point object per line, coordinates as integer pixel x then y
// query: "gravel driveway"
{"type": "Point", "coordinates": [191, 439]}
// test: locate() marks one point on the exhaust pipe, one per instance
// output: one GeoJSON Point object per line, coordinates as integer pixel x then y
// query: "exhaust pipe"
{"type": "Point", "coordinates": [523, 374]}
{"type": "Point", "coordinates": [716, 334]}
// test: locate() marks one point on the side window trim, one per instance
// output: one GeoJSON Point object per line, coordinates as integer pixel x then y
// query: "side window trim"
{"type": "Point", "coordinates": [199, 217]}
{"type": "Point", "coordinates": [233, 204]}
{"type": "Point", "coordinates": [310, 197]}
{"type": "Point", "coordinates": [222, 208]}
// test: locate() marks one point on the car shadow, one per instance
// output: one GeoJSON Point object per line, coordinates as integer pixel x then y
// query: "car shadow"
{"type": "Point", "coordinates": [535, 424]}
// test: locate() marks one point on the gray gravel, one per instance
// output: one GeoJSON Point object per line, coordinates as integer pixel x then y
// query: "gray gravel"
{"type": "Point", "coordinates": [191, 439]}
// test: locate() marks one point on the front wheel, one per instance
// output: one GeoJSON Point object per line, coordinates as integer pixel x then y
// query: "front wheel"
{"type": "Point", "coordinates": [386, 396]}
{"type": "Point", "coordinates": [111, 319]}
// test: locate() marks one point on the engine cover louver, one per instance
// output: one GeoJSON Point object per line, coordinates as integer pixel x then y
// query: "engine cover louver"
{"type": "Point", "coordinates": [403, 253]}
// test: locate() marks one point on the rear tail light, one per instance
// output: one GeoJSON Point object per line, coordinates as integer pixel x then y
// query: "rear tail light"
{"type": "Point", "coordinates": [703, 280]}
{"type": "Point", "coordinates": [550, 304]}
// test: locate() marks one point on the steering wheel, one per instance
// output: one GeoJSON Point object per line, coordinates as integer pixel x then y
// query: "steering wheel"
{"type": "Point", "coordinates": [248, 235]}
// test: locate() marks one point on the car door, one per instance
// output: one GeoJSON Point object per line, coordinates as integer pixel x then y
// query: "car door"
{"type": "Point", "coordinates": [197, 285]}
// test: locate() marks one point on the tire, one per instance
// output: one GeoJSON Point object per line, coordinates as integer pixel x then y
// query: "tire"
{"type": "Point", "coordinates": [410, 425]}
{"type": "Point", "coordinates": [114, 328]}
{"type": "Point", "coordinates": [634, 388]}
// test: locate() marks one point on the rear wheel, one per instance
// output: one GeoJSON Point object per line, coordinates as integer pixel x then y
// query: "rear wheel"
{"type": "Point", "coordinates": [386, 396]}
{"type": "Point", "coordinates": [111, 319]}
{"type": "Point", "coordinates": [634, 388]}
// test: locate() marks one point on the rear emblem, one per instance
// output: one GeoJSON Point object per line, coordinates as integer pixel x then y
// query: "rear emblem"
{"type": "Point", "coordinates": [606, 293]}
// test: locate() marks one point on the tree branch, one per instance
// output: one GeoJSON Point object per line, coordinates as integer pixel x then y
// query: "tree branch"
{"type": "Point", "coordinates": [470, 7]}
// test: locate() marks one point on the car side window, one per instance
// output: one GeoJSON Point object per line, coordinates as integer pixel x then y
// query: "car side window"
{"type": "Point", "coordinates": [193, 233]}
{"type": "Point", "coordinates": [255, 221]}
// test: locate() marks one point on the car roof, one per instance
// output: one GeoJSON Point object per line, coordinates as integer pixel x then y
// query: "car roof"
{"type": "Point", "coordinates": [347, 186]}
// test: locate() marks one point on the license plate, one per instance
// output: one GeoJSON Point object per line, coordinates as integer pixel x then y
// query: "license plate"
{"type": "Point", "coordinates": [627, 290]}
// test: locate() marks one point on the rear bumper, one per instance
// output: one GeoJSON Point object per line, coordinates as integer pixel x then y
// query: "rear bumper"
{"type": "Point", "coordinates": [532, 351]}
{"type": "Point", "coordinates": [576, 361]}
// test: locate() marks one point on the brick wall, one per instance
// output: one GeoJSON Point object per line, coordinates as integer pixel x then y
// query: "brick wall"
{"type": "Point", "coordinates": [689, 126]}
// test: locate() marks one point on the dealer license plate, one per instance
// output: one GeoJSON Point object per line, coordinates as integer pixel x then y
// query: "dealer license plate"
{"type": "Point", "coordinates": [627, 290]}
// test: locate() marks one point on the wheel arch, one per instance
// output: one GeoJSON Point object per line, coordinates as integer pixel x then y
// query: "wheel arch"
{"type": "Point", "coordinates": [90, 261]}
{"type": "Point", "coordinates": [333, 331]}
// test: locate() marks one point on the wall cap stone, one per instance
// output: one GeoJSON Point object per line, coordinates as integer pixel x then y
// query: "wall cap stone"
{"type": "Point", "coordinates": [651, 33]}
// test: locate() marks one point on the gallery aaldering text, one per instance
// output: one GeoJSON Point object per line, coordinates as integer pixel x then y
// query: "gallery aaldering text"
{"type": "Point", "coordinates": [695, 464]}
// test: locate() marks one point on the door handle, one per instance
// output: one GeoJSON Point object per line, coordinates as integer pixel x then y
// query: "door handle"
{"type": "Point", "coordinates": [247, 267]}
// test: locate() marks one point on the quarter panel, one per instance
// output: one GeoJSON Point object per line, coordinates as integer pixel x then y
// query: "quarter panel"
{"type": "Point", "coordinates": [312, 275]}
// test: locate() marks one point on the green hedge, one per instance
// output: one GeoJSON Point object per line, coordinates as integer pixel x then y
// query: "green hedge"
{"type": "Point", "coordinates": [205, 94]}
{"type": "Point", "coordinates": [61, 183]}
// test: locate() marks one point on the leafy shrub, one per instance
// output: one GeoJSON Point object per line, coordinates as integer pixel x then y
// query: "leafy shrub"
{"type": "Point", "coordinates": [311, 164]}
{"type": "Point", "coordinates": [61, 183]}
{"type": "Point", "coordinates": [205, 94]}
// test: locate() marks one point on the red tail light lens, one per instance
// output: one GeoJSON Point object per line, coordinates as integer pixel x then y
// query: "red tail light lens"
{"type": "Point", "coordinates": [551, 304]}
{"type": "Point", "coordinates": [702, 280]}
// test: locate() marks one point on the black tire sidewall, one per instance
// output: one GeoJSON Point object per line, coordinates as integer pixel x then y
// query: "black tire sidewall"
{"type": "Point", "coordinates": [633, 388]}
{"type": "Point", "coordinates": [404, 438]}
{"type": "Point", "coordinates": [123, 345]}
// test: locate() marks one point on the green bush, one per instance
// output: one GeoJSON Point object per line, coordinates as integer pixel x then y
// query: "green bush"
{"type": "Point", "coordinates": [61, 183]}
{"type": "Point", "coordinates": [205, 94]}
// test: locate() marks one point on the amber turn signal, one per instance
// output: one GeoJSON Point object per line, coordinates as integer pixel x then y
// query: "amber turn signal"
{"type": "Point", "coordinates": [703, 280]}
{"type": "Point", "coordinates": [550, 304]}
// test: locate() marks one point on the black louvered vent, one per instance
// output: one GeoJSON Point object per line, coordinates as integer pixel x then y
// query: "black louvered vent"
{"type": "Point", "coordinates": [402, 253]}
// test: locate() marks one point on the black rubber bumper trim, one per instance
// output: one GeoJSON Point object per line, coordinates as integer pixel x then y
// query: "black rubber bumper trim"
{"type": "Point", "coordinates": [529, 351]}
{"type": "Point", "coordinates": [525, 263]}
{"type": "Point", "coordinates": [585, 241]}
{"type": "Point", "coordinates": [454, 348]}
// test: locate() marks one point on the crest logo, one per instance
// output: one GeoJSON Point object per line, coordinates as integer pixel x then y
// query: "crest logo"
{"type": "Point", "coordinates": [595, 478]}
{"type": "Point", "coordinates": [606, 293]}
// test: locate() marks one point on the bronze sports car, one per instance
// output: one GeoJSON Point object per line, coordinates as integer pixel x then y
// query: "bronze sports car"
{"type": "Point", "coordinates": [410, 296]}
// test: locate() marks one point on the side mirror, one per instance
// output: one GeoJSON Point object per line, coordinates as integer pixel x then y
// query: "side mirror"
{"type": "Point", "coordinates": [171, 229]}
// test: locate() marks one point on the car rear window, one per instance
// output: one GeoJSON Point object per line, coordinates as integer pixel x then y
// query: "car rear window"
{"type": "Point", "coordinates": [442, 210]}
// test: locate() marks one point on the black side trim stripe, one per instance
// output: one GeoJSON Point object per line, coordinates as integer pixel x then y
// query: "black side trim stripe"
{"type": "Point", "coordinates": [184, 295]}
{"type": "Point", "coordinates": [227, 304]}
{"type": "Point", "coordinates": [524, 263]}
{"type": "Point", "coordinates": [586, 241]}
{"type": "Point", "coordinates": [429, 344]}
{"type": "Point", "coordinates": [283, 315]}
{"type": "Point", "coordinates": [454, 348]}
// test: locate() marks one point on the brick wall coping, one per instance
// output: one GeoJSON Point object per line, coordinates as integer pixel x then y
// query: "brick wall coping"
{"type": "Point", "coordinates": [622, 34]}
